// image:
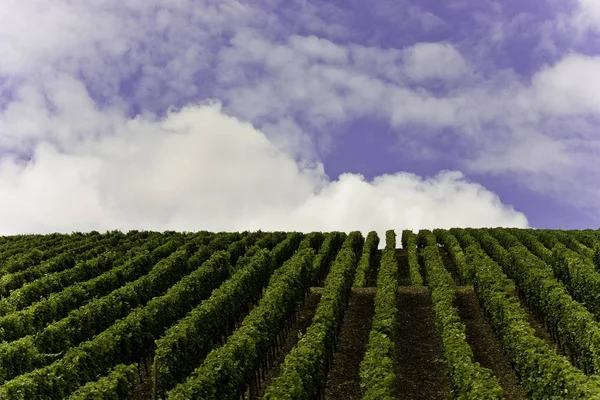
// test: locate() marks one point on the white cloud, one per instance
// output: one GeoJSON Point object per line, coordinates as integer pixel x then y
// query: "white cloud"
{"type": "Point", "coordinates": [25, 42]}
{"type": "Point", "coordinates": [327, 83]}
{"type": "Point", "coordinates": [200, 169]}
{"type": "Point", "coordinates": [586, 16]}
{"type": "Point", "coordinates": [411, 15]}
{"type": "Point", "coordinates": [535, 154]}
{"type": "Point", "coordinates": [149, 53]}
{"type": "Point", "coordinates": [570, 87]}
{"type": "Point", "coordinates": [300, 83]}
{"type": "Point", "coordinates": [434, 61]}
{"type": "Point", "coordinates": [405, 201]}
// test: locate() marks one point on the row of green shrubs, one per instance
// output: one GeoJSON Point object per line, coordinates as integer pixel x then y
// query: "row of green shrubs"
{"type": "Point", "coordinates": [130, 338]}
{"type": "Point", "coordinates": [377, 378]}
{"type": "Point", "coordinates": [185, 345]}
{"type": "Point", "coordinates": [470, 380]}
{"type": "Point", "coordinates": [569, 322]}
{"type": "Point", "coordinates": [116, 385]}
{"type": "Point", "coordinates": [543, 373]}
{"type": "Point", "coordinates": [304, 371]}
{"type": "Point", "coordinates": [409, 243]}
{"type": "Point", "coordinates": [228, 370]}
{"type": "Point", "coordinates": [366, 260]}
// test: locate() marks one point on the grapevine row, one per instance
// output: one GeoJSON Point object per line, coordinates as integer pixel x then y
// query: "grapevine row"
{"type": "Point", "coordinates": [409, 243]}
{"type": "Point", "coordinates": [116, 385]}
{"type": "Point", "coordinates": [455, 253]}
{"type": "Point", "coordinates": [469, 378]}
{"type": "Point", "coordinates": [13, 250]}
{"type": "Point", "coordinates": [186, 344]}
{"type": "Point", "coordinates": [377, 378]}
{"type": "Point", "coordinates": [34, 256]}
{"type": "Point", "coordinates": [304, 370]}
{"type": "Point", "coordinates": [543, 373]}
{"type": "Point", "coordinates": [128, 340]}
{"type": "Point", "coordinates": [54, 267]}
{"type": "Point", "coordinates": [228, 370]}
{"type": "Point", "coordinates": [569, 322]}
{"type": "Point", "coordinates": [364, 265]}
{"type": "Point", "coordinates": [577, 273]}
{"type": "Point", "coordinates": [323, 260]}
{"type": "Point", "coordinates": [58, 305]}
{"type": "Point", "coordinates": [27, 353]}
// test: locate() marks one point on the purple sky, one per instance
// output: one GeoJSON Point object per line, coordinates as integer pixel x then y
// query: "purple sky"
{"type": "Point", "coordinates": [302, 114]}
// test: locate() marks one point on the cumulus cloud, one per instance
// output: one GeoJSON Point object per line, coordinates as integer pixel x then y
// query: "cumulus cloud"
{"type": "Point", "coordinates": [198, 168]}
{"type": "Point", "coordinates": [406, 200]}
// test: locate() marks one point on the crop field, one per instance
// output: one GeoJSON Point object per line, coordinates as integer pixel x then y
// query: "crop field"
{"type": "Point", "coordinates": [460, 313]}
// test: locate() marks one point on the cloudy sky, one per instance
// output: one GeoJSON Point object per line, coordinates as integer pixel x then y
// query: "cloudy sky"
{"type": "Point", "coordinates": [298, 114]}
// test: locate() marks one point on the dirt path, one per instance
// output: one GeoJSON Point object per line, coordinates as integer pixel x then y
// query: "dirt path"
{"type": "Point", "coordinates": [144, 384]}
{"type": "Point", "coordinates": [486, 347]}
{"type": "Point", "coordinates": [403, 268]}
{"type": "Point", "coordinates": [421, 370]}
{"type": "Point", "coordinates": [343, 381]}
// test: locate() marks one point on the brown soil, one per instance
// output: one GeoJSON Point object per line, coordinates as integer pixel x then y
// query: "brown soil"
{"type": "Point", "coordinates": [303, 320]}
{"type": "Point", "coordinates": [343, 381]}
{"type": "Point", "coordinates": [420, 367]}
{"type": "Point", "coordinates": [143, 386]}
{"type": "Point", "coordinates": [403, 268]}
{"type": "Point", "coordinates": [486, 347]}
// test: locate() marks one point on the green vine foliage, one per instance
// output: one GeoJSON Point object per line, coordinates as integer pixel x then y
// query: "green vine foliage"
{"type": "Point", "coordinates": [377, 378]}
{"type": "Point", "coordinates": [470, 379]}
{"type": "Point", "coordinates": [130, 338]}
{"type": "Point", "coordinates": [185, 345]}
{"type": "Point", "coordinates": [304, 370]}
{"type": "Point", "coordinates": [117, 385]}
{"type": "Point", "coordinates": [455, 253]}
{"type": "Point", "coordinates": [569, 321]}
{"type": "Point", "coordinates": [409, 242]}
{"type": "Point", "coordinates": [544, 373]}
{"type": "Point", "coordinates": [366, 260]}
{"type": "Point", "coordinates": [228, 369]}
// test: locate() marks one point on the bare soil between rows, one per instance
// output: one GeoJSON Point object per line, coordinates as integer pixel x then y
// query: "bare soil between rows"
{"type": "Point", "coordinates": [343, 381]}
{"type": "Point", "coordinates": [144, 384]}
{"type": "Point", "coordinates": [420, 367]}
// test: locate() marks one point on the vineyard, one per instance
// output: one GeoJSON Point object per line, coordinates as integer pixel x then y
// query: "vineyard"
{"type": "Point", "coordinates": [495, 313]}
